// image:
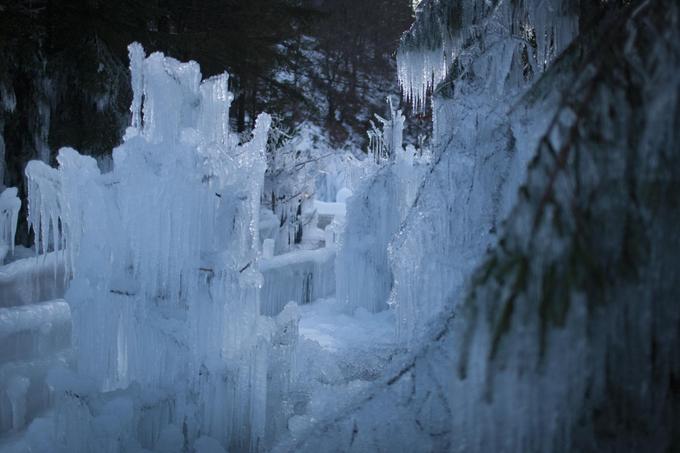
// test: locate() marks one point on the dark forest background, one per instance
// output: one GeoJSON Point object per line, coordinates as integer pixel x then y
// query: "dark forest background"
{"type": "Point", "coordinates": [64, 77]}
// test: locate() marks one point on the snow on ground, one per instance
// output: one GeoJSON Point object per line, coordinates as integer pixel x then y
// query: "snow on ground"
{"type": "Point", "coordinates": [341, 352]}
{"type": "Point", "coordinates": [338, 331]}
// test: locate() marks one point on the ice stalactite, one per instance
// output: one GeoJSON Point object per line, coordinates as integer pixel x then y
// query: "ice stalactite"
{"type": "Point", "coordinates": [419, 72]}
{"type": "Point", "coordinates": [8, 98]}
{"type": "Point", "coordinates": [43, 187]}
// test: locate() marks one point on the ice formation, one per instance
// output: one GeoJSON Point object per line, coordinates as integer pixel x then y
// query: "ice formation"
{"type": "Point", "coordinates": [483, 142]}
{"type": "Point", "coordinates": [163, 255]}
{"type": "Point", "coordinates": [374, 214]}
{"type": "Point", "coordinates": [447, 32]}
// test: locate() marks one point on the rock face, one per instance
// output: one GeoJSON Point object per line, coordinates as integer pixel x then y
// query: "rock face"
{"type": "Point", "coordinates": [566, 337]}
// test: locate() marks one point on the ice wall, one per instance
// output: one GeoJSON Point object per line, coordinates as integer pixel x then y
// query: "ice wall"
{"type": "Point", "coordinates": [38, 330]}
{"type": "Point", "coordinates": [461, 206]}
{"type": "Point", "coordinates": [483, 141]}
{"type": "Point", "coordinates": [363, 275]}
{"type": "Point", "coordinates": [2, 159]}
{"type": "Point", "coordinates": [386, 142]}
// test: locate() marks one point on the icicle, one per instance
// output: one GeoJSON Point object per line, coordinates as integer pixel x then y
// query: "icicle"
{"type": "Point", "coordinates": [444, 27]}
{"type": "Point", "coordinates": [136, 54]}
{"type": "Point", "coordinates": [419, 72]}
{"type": "Point", "coordinates": [44, 207]}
